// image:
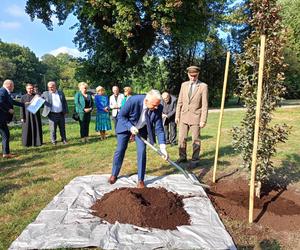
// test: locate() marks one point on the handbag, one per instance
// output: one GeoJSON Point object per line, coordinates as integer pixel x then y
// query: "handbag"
{"type": "Point", "coordinates": [75, 116]}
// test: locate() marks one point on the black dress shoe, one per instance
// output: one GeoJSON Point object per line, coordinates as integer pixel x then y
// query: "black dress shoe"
{"type": "Point", "coordinates": [195, 162]}
{"type": "Point", "coordinates": [181, 160]}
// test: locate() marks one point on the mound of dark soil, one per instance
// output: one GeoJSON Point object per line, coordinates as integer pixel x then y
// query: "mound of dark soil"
{"type": "Point", "coordinates": [145, 207]}
{"type": "Point", "coordinates": [277, 209]}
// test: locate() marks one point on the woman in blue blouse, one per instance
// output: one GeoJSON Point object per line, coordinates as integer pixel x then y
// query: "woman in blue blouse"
{"type": "Point", "coordinates": [83, 106]}
{"type": "Point", "coordinates": [102, 118]}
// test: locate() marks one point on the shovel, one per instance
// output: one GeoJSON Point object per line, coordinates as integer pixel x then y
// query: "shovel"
{"type": "Point", "coordinates": [189, 176]}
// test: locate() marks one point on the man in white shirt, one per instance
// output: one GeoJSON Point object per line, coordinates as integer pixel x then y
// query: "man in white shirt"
{"type": "Point", "coordinates": [115, 102]}
{"type": "Point", "coordinates": [55, 109]}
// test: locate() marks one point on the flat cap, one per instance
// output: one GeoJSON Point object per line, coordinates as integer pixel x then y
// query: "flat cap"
{"type": "Point", "coordinates": [193, 69]}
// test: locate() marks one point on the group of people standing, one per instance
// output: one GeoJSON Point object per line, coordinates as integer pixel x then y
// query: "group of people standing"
{"type": "Point", "coordinates": [84, 105]}
{"type": "Point", "coordinates": [147, 116]}
{"type": "Point", "coordinates": [55, 109]}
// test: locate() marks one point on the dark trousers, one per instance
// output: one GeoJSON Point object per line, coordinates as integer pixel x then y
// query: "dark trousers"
{"type": "Point", "coordinates": [123, 139]}
{"type": "Point", "coordinates": [4, 131]}
{"type": "Point", "coordinates": [57, 119]}
{"type": "Point", "coordinates": [170, 131]}
{"type": "Point", "coordinates": [84, 125]}
{"type": "Point", "coordinates": [115, 120]}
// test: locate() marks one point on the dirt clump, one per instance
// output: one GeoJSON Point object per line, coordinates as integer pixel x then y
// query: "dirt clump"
{"type": "Point", "coordinates": [145, 207]}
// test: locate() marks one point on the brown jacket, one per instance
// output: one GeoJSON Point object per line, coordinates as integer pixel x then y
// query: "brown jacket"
{"type": "Point", "coordinates": [192, 111]}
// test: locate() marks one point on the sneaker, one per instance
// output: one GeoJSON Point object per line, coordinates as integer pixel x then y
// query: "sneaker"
{"type": "Point", "coordinates": [65, 142]}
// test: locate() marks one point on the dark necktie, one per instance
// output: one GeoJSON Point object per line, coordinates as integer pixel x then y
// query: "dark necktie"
{"type": "Point", "coordinates": [149, 128]}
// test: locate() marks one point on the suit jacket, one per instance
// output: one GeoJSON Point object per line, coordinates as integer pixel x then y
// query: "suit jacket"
{"type": "Point", "coordinates": [6, 103]}
{"type": "Point", "coordinates": [48, 102]}
{"type": "Point", "coordinates": [80, 103]}
{"type": "Point", "coordinates": [192, 110]}
{"type": "Point", "coordinates": [170, 108]}
{"type": "Point", "coordinates": [130, 115]}
{"type": "Point", "coordinates": [113, 102]}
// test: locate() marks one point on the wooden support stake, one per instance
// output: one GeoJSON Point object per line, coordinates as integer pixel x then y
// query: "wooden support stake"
{"type": "Point", "coordinates": [221, 116]}
{"type": "Point", "coordinates": [256, 130]}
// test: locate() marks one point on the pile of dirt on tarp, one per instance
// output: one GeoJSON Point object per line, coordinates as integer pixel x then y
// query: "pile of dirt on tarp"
{"type": "Point", "coordinates": [144, 207]}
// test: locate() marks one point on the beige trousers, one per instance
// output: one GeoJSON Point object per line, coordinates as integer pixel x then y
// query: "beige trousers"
{"type": "Point", "coordinates": [182, 140]}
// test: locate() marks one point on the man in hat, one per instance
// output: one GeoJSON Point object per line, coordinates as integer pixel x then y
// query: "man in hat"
{"type": "Point", "coordinates": [191, 113]}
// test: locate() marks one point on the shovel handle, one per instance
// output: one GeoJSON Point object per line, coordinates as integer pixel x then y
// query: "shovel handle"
{"type": "Point", "coordinates": [161, 154]}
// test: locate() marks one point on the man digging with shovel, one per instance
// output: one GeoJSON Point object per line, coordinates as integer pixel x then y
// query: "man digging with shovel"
{"type": "Point", "coordinates": [141, 115]}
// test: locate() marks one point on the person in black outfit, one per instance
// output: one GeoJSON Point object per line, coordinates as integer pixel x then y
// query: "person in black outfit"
{"type": "Point", "coordinates": [168, 115]}
{"type": "Point", "coordinates": [6, 115]}
{"type": "Point", "coordinates": [32, 134]}
{"type": "Point", "coordinates": [83, 106]}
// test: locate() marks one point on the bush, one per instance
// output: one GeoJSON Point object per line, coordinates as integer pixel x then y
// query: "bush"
{"type": "Point", "coordinates": [69, 92]}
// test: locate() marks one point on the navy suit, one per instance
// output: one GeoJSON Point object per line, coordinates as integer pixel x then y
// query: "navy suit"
{"type": "Point", "coordinates": [128, 117]}
{"type": "Point", "coordinates": [6, 103]}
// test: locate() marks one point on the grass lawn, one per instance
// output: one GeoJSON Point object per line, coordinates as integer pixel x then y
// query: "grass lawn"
{"type": "Point", "coordinates": [28, 183]}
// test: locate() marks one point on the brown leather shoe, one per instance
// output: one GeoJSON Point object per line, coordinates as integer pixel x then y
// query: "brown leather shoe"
{"type": "Point", "coordinates": [112, 179]}
{"type": "Point", "coordinates": [8, 156]}
{"type": "Point", "coordinates": [141, 184]}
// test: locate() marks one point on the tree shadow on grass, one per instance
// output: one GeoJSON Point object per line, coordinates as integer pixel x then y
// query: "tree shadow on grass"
{"type": "Point", "coordinates": [280, 178]}
{"type": "Point", "coordinates": [205, 164]}
{"type": "Point", "coordinates": [266, 244]}
{"type": "Point", "coordinates": [7, 188]}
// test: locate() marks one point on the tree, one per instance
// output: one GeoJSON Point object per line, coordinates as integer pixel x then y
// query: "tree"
{"type": "Point", "coordinates": [152, 74]}
{"type": "Point", "coordinates": [63, 69]}
{"type": "Point", "coordinates": [265, 20]}
{"type": "Point", "coordinates": [51, 68]}
{"type": "Point", "coordinates": [117, 34]}
{"type": "Point", "coordinates": [290, 16]}
{"type": "Point", "coordinates": [212, 69]}
{"type": "Point", "coordinates": [7, 68]}
{"type": "Point", "coordinates": [27, 66]}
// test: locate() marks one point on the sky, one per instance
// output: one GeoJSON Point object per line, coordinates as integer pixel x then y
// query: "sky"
{"type": "Point", "coordinates": [17, 27]}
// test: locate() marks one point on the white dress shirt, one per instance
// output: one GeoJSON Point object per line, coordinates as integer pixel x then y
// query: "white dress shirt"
{"type": "Point", "coordinates": [113, 103]}
{"type": "Point", "coordinates": [56, 103]}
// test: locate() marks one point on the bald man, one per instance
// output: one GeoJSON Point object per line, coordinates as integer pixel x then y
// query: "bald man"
{"type": "Point", "coordinates": [55, 109]}
{"type": "Point", "coordinates": [141, 114]}
{"type": "Point", "coordinates": [6, 115]}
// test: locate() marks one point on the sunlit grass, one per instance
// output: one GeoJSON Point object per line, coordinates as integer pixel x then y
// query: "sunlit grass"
{"type": "Point", "coordinates": [28, 183]}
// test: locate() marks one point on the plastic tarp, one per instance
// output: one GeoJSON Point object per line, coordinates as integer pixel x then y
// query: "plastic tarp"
{"type": "Point", "coordinates": [67, 222]}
